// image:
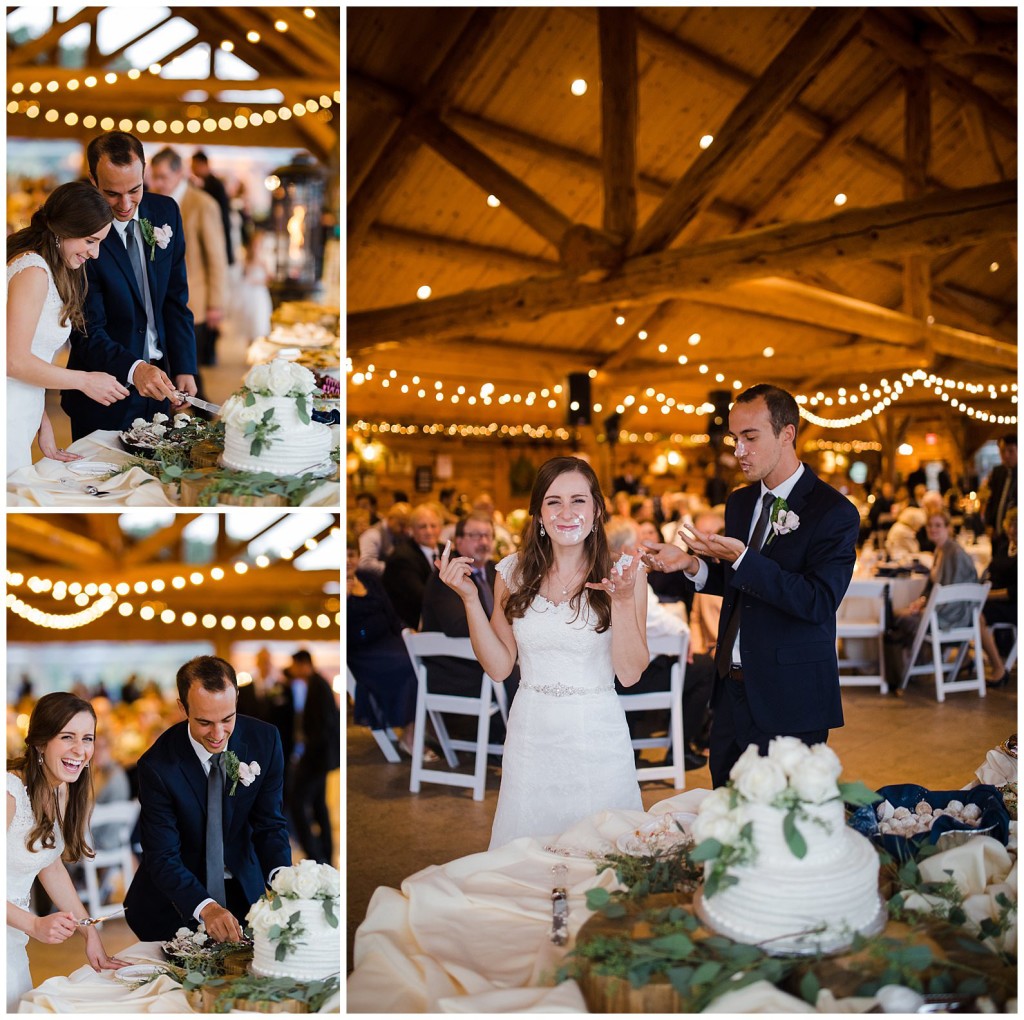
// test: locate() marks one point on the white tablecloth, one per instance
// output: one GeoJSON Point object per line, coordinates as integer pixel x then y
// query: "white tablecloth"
{"type": "Point", "coordinates": [471, 936]}
{"type": "Point", "coordinates": [85, 991]}
{"type": "Point", "coordinates": [52, 483]}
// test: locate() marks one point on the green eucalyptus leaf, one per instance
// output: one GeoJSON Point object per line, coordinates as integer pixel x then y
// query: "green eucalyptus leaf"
{"type": "Point", "coordinates": [809, 988]}
{"type": "Point", "coordinates": [794, 840]}
{"type": "Point", "coordinates": [858, 794]}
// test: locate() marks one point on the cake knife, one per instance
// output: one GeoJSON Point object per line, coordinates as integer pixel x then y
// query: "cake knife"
{"type": "Point", "coordinates": [203, 405]}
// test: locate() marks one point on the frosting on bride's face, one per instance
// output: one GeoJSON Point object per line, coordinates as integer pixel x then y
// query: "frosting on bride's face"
{"type": "Point", "coordinates": [567, 510]}
{"type": "Point", "coordinates": [76, 251]}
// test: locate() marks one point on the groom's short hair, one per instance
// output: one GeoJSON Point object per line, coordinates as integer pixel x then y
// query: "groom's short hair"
{"type": "Point", "coordinates": [782, 406]}
{"type": "Point", "coordinates": [119, 147]}
{"type": "Point", "coordinates": [211, 673]}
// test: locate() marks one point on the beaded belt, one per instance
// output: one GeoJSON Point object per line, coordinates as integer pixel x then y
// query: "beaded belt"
{"type": "Point", "coordinates": [564, 690]}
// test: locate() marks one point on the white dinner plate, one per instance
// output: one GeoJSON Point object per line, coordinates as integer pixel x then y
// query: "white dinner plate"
{"type": "Point", "coordinates": [139, 971]}
{"type": "Point", "coordinates": [654, 837]}
{"type": "Point", "coordinates": [90, 468]}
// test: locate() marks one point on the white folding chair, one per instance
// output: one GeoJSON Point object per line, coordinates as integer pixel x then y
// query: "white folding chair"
{"type": "Point", "coordinates": [672, 699]}
{"type": "Point", "coordinates": [490, 699]}
{"type": "Point", "coordinates": [387, 739]}
{"type": "Point", "coordinates": [1011, 656]}
{"type": "Point", "coordinates": [861, 618]}
{"type": "Point", "coordinates": [121, 816]}
{"type": "Point", "coordinates": [930, 630]}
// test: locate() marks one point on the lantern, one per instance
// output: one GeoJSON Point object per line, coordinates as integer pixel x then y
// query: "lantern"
{"type": "Point", "coordinates": [296, 216]}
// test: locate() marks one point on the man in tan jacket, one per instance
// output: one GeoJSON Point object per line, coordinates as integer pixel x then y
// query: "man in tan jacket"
{"type": "Point", "coordinates": [206, 257]}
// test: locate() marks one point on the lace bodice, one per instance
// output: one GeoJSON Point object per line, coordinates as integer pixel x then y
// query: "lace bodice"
{"type": "Point", "coordinates": [22, 864]}
{"type": "Point", "coordinates": [557, 654]}
{"type": "Point", "coordinates": [50, 335]}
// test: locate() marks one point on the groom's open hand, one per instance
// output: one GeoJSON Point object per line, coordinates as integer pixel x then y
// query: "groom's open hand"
{"type": "Point", "coordinates": [221, 923]}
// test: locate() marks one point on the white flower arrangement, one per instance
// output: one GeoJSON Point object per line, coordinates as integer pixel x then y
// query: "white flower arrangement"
{"type": "Point", "coordinates": [307, 880]}
{"type": "Point", "coordinates": [271, 917]}
{"type": "Point", "coordinates": [280, 378]}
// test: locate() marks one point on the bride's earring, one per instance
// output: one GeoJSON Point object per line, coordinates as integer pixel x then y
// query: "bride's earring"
{"type": "Point", "coordinates": [40, 759]}
{"type": "Point", "coordinates": [594, 528]}
{"type": "Point", "coordinates": [542, 531]}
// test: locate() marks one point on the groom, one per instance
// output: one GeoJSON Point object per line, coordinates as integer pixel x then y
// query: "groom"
{"type": "Point", "coordinates": [138, 326]}
{"type": "Point", "coordinates": [783, 567]}
{"type": "Point", "coordinates": [196, 866]}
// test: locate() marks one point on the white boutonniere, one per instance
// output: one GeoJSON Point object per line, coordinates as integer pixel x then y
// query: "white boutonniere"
{"type": "Point", "coordinates": [155, 237]}
{"type": "Point", "coordinates": [782, 519]}
{"type": "Point", "coordinates": [238, 772]}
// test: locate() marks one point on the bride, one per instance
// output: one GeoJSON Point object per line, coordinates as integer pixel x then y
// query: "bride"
{"type": "Point", "coordinates": [47, 810]}
{"type": "Point", "coordinates": [574, 623]}
{"type": "Point", "coordinates": [45, 298]}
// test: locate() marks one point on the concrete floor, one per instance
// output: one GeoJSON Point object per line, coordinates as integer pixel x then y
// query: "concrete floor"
{"type": "Point", "coordinates": [392, 833]}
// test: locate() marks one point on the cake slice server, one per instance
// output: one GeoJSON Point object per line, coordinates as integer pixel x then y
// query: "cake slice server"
{"type": "Point", "coordinates": [86, 922]}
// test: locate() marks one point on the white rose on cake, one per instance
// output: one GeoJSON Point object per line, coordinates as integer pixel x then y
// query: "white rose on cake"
{"type": "Point", "coordinates": [816, 780]}
{"type": "Point", "coordinates": [261, 917]}
{"type": "Point", "coordinates": [789, 753]}
{"type": "Point", "coordinates": [258, 378]}
{"type": "Point", "coordinates": [762, 782]}
{"type": "Point", "coordinates": [723, 827]}
{"type": "Point", "coordinates": [307, 879]}
{"type": "Point", "coordinates": [283, 882]}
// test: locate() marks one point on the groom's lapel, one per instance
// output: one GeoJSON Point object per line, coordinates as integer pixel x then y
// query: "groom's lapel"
{"type": "Point", "coordinates": [238, 745]}
{"type": "Point", "coordinates": [113, 246]}
{"type": "Point", "coordinates": [191, 771]}
{"type": "Point", "coordinates": [802, 490]}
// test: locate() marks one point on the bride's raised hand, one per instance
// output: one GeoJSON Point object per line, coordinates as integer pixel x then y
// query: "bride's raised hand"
{"type": "Point", "coordinates": [54, 928]}
{"type": "Point", "coordinates": [622, 579]}
{"type": "Point", "coordinates": [48, 445]}
{"type": "Point", "coordinates": [103, 388]}
{"type": "Point", "coordinates": [456, 572]}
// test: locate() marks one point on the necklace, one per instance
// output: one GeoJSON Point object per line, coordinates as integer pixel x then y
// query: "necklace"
{"type": "Point", "coordinates": [565, 589]}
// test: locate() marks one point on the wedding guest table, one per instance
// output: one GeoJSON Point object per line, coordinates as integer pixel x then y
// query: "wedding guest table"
{"type": "Point", "coordinates": [473, 935]}
{"type": "Point", "coordinates": [85, 991]}
{"type": "Point", "coordinates": [54, 483]}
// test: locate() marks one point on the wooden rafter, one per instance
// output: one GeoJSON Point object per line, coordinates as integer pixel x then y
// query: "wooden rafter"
{"type": "Point", "coordinates": [29, 52]}
{"type": "Point", "coordinates": [617, 37]}
{"type": "Point", "coordinates": [44, 539]}
{"type": "Point", "coordinates": [164, 538]}
{"type": "Point", "coordinates": [917, 149]}
{"type": "Point", "coordinates": [933, 224]}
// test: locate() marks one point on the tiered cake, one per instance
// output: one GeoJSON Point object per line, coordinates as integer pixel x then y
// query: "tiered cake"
{"type": "Point", "coordinates": [295, 927]}
{"type": "Point", "coordinates": [267, 426]}
{"type": "Point", "coordinates": [809, 892]}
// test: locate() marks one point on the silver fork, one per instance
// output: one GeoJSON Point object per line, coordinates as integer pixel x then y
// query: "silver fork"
{"type": "Point", "coordinates": [91, 490]}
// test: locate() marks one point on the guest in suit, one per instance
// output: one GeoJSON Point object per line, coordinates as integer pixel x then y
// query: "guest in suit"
{"type": "Point", "coordinates": [409, 567]}
{"type": "Point", "coordinates": [1002, 485]}
{"type": "Point", "coordinates": [777, 672]}
{"type": "Point", "coordinates": [445, 612]}
{"type": "Point", "coordinates": [142, 335]}
{"type": "Point", "coordinates": [321, 754]}
{"type": "Point", "coordinates": [377, 542]}
{"type": "Point", "coordinates": [206, 254]}
{"type": "Point", "coordinates": [172, 887]}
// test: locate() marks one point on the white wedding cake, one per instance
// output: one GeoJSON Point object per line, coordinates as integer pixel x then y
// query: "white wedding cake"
{"type": "Point", "coordinates": [791, 876]}
{"type": "Point", "coordinates": [295, 926]}
{"type": "Point", "coordinates": [267, 426]}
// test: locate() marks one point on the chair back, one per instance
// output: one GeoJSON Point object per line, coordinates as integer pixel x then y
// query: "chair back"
{"type": "Point", "coordinates": [121, 813]}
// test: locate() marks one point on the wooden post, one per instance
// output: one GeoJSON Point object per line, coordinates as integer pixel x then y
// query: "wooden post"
{"type": "Point", "coordinates": [917, 149]}
{"type": "Point", "coordinates": [617, 31]}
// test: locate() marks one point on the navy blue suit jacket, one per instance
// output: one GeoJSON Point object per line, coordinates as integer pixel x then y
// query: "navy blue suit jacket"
{"type": "Point", "coordinates": [171, 880]}
{"type": "Point", "coordinates": [791, 590]}
{"type": "Point", "coordinates": [115, 318]}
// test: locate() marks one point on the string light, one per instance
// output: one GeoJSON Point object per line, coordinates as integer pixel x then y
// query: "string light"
{"type": "Point", "coordinates": [55, 621]}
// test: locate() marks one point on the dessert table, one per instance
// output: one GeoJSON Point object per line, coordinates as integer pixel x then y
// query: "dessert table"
{"type": "Point", "coordinates": [472, 935]}
{"type": "Point", "coordinates": [85, 991]}
{"type": "Point", "coordinates": [54, 483]}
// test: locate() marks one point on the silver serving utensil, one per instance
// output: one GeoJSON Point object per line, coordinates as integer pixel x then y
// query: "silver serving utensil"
{"type": "Point", "coordinates": [559, 906]}
{"type": "Point", "coordinates": [86, 922]}
{"type": "Point", "coordinates": [91, 490]}
{"type": "Point", "coordinates": [203, 405]}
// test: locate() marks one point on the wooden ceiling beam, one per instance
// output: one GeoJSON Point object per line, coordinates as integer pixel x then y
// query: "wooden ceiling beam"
{"type": "Point", "coordinates": [46, 540]}
{"type": "Point", "coordinates": [30, 52]}
{"type": "Point", "coordinates": [917, 141]}
{"type": "Point", "coordinates": [310, 40]}
{"type": "Point", "coordinates": [437, 246]}
{"type": "Point", "coordinates": [109, 58]}
{"type": "Point", "coordinates": [493, 179]}
{"type": "Point", "coordinates": [958, 22]}
{"type": "Point", "coordinates": [932, 224]}
{"type": "Point", "coordinates": [989, 40]}
{"type": "Point", "coordinates": [960, 90]}
{"type": "Point", "coordinates": [283, 45]}
{"type": "Point", "coordinates": [838, 139]}
{"type": "Point", "coordinates": [980, 137]}
{"type": "Point", "coordinates": [154, 87]}
{"type": "Point", "coordinates": [619, 108]}
{"type": "Point", "coordinates": [825, 30]}
{"type": "Point", "coordinates": [626, 350]}
{"type": "Point", "coordinates": [213, 26]}
{"type": "Point", "coordinates": [106, 529]}
{"type": "Point", "coordinates": [380, 178]}
{"type": "Point", "coordinates": [165, 538]}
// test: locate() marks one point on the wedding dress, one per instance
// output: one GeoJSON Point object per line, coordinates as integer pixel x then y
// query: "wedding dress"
{"type": "Point", "coordinates": [25, 402]}
{"type": "Point", "coordinates": [567, 750]}
{"type": "Point", "coordinates": [22, 868]}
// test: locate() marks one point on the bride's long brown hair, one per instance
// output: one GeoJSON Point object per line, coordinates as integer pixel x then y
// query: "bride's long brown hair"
{"type": "Point", "coordinates": [536, 558]}
{"type": "Point", "coordinates": [50, 716]}
{"type": "Point", "coordinates": [73, 210]}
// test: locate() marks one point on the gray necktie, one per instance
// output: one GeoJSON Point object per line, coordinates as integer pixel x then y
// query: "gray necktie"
{"type": "Point", "coordinates": [215, 831]}
{"type": "Point", "coordinates": [727, 640]}
{"type": "Point", "coordinates": [135, 254]}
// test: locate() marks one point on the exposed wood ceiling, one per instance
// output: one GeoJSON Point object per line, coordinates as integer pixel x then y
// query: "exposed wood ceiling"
{"type": "Point", "coordinates": [93, 548]}
{"type": "Point", "coordinates": [610, 207]}
{"type": "Point", "coordinates": [303, 63]}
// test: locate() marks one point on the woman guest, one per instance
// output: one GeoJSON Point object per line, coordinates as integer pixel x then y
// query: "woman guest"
{"type": "Point", "coordinates": [377, 656]}
{"type": "Point", "coordinates": [1001, 604]}
{"type": "Point", "coordinates": [574, 623]}
{"type": "Point", "coordinates": [45, 298]}
{"type": "Point", "coordinates": [48, 804]}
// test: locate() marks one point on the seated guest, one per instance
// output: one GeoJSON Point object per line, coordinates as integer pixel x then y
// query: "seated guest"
{"type": "Point", "coordinates": [931, 503]}
{"type": "Point", "coordinates": [409, 567]}
{"type": "Point", "coordinates": [901, 542]}
{"type": "Point", "coordinates": [377, 656]}
{"type": "Point", "coordinates": [952, 565]}
{"type": "Point", "coordinates": [445, 613]}
{"type": "Point", "coordinates": [1001, 604]}
{"type": "Point", "coordinates": [367, 503]}
{"type": "Point", "coordinates": [697, 677]}
{"type": "Point", "coordinates": [667, 587]}
{"type": "Point", "coordinates": [377, 542]}
{"type": "Point", "coordinates": [503, 543]}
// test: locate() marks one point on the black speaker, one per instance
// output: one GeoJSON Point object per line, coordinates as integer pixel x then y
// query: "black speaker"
{"type": "Point", "coordinates": [718, 420]}
{"type": "Point", "coordinates": [578, 407]}
{"type": "Point", "coordinates": [612, 425]}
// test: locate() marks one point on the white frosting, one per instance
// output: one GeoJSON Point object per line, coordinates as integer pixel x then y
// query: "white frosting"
{"type": "Point", "coordinates": [779, 898]}
{"type": "Point", "coordinates": [317, 951]}
{"type": "Point", "coordinates": [292, 449]}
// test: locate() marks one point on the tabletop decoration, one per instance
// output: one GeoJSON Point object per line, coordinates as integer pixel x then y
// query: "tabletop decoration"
{"type": "Point", "coordinates": [198, 954]}
{"type": "Point", "coordinates": [253, 994]}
